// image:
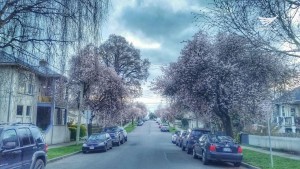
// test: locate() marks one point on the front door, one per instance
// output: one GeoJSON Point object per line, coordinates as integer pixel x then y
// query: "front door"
{"type": "Point", "coordinates": [10, 151]}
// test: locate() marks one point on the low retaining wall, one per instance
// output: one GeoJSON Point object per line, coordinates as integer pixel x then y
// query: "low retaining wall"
{"type": "Point", "coordinates": [281, 143]}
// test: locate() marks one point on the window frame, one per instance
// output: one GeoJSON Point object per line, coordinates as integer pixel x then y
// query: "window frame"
{"type": "Point", "coordinates": [18, 106]}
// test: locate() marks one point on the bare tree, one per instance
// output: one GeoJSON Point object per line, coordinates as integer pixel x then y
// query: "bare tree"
{"type": "Point", "coordinates": [272, 25]}
{"type": "Point", "coordinates": [45, 29]}
{"type": "Point", "coordinates": [126, 61]}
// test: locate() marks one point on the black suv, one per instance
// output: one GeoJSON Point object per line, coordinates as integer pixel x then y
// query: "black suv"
{"type": "Point", "coordinates": [117, 134]}
{"type": "Point", "coordinates": [190, 139]}
{"type": "Point", "coordinates": [22, 146]}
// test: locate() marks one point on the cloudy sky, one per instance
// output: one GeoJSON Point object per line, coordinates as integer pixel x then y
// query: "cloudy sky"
{"type": "Point", "coordinates": [157, 28]}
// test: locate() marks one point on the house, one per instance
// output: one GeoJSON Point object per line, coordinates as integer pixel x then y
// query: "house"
{"type": "Point", "coordinates": [30, 93]}
{"type": "Point", "coordinates": [287, 112]}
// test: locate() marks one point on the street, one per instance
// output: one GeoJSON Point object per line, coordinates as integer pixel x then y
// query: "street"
{"type": "Point", "coordinates": [147, 148]}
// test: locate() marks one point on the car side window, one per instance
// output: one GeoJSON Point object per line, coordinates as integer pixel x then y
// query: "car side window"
{"type": "Point", "coordinates": [37, 135]}
{"type": "Point", "coordinates": [10, 136]}
{"type": "Point", "coordinates": [25, 136]}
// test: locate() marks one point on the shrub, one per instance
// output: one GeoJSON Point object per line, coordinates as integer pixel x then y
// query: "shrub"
{"type": "Point", "coordinates": [73, 130]}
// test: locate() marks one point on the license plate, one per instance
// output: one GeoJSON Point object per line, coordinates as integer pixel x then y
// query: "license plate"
{"type": "Point", "coordinates": [227, 149]}
{"type": "Point", "coordinates": [91, 147]}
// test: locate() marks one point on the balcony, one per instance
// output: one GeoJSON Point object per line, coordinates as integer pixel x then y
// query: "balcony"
{"type": "Point", "coordinates": [44, 99]}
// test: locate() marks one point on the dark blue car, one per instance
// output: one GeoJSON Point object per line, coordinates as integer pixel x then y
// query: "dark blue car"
{"type": "Point", "coordinates": [211, 147]}
{"type": "Point", "coordinates": [97, 142]}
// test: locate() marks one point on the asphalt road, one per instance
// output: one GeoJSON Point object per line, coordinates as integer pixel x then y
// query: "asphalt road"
{"type": "Point", "coordinates": [146, 148]}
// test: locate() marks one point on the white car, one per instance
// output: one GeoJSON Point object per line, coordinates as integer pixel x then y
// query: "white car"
{"type": "Point", "coordinates": [174, 136]}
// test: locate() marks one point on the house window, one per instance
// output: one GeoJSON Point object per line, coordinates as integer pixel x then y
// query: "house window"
{"type": "Point", "coordinates": [60, 115]}
{"type": "Point", "coordinates": [282, 111]}
{"type": "Point", "coordinates": [30, 85]}
{"type": "Point", "coordinates": [28, 111]}
{"type": "Point", "coordinates": [19, 110]}
{"type": "Point", "coordinates": [293, 111]}
{"type": "Point", "coordinates": [22, 83]}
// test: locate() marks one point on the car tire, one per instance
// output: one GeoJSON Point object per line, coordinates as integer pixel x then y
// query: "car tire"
{"type": "Point", "coordinates": [118, 143]}
{"type": "Point", "coordinates": [84, 152]}
{"type": "Point", "coordinates": [183, 148]}
{"type": "Point", "coordinates": [126, 138]}
{"type": "Point", "coordinates": [111, 146]}
{"type": "Point", "coordinates": [39, 164]}
{"type": "Point", "coordinates": [204, 158]}
{"type": "Point", "coordinates": [188, 150]}
{"type": "Point", "coordinates": [194, 154]}
{"type": "Point", "coordinates": [105, 149]}
{"type": "Point", "coordinates": [237, 164]}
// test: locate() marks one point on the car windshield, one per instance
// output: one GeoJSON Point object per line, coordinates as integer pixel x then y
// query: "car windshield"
{"type": "Point", "coordinates": [97, 137]}
{"type": "Point", "coordinates": [198, 133]}
{"type": "Point", "coordinates": [216, 139]}
{"type": "Point", "coordinates": [110, 129]}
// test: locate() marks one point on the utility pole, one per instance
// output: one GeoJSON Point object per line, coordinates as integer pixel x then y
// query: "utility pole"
{"type": "Point", "coordinates": [80, 95]}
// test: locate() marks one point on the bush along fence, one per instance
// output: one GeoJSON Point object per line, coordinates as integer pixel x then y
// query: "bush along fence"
{"type": "Point", "coordinates": [73, 130]}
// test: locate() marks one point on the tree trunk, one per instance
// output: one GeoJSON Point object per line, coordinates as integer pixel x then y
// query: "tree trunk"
{"type": "Point", "coordinates": [226, 121]}
{"type": "Point", "coordinates": [132, 121]}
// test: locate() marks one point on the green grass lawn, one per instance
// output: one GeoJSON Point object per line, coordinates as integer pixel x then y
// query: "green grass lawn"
{"type": "Point", "coordinates": [263, 160]}
{"type": "Point", "coordinates": [130, 127]}
{"type": "Point", "coordinates": [172, 129]}
{"type": "Point", "coordinates": [61, 151]}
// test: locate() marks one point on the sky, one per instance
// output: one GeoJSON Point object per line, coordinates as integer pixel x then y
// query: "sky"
{"type": "Point", "coordinates": [156, 27]}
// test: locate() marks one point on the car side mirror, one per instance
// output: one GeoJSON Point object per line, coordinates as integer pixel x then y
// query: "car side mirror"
{"type": "Point", "coordinates": [9, 145]}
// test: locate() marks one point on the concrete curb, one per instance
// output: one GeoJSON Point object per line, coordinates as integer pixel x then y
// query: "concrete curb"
{"type": "Point", "coordinates": [249, 166]}
{"type": "Point", "coordinates": [62, 157]}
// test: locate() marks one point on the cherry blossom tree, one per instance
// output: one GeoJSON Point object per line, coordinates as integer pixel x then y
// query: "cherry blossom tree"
{"type": "Point", "coordinates": [135, 110]}
{"type": "Point", "coordinates": [103, 89]}
{"type": "Point", "coordinates": [226, 77]}
{"type": "Point", "coordinates": [126, 60]}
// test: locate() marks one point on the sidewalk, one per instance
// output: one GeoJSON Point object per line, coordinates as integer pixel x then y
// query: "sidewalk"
{"type": "Point", "coordinates": [276, 153]}
{"type": "Point", "coordinates": [63, 144]}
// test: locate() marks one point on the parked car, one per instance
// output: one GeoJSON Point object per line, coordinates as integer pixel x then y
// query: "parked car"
{"type": "Point", "coordinates": [190, 139]}
{"type": "Point", "coordinates": [140, 123]}
{"type": "Point", "coordinates": [124, 132]}
{"type": "Point", "coordinates": [174, 136]}
{"type": "Point", "coordinates": [164, 127]}
{"type": "Point", "coordinates": [116, 134]}
{"type": "Point", "coordinates": [97, 142]}
{"type": "Point", "coordinates": [180, 138]}
{"type": "Point", "coordinates": [211, 147]}
{"type": "Point", "coordinates": [22, 146]}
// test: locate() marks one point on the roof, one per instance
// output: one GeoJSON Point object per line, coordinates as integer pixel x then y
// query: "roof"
{"type": "Point", "coordinates": [8, 59]}
{"type": "Point", "coordinates": [290, 97]}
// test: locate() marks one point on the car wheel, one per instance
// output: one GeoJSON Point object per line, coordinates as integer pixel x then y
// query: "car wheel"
{"type": "Point", "coordinates": [183, 148]}
{"type": "Point", "coordinates": [237, 164]}
{"type": "Point", "coordinates": [84, 152]}
{"type": "Point", "coordinates": [194, 154]}
{"type": "Point", "coordinates": [105, 149]}
{"type": "Point", "coordinates": [39, 164]}
{"type": "Point", "coordinates": [118, 143]}
{"type": "Point", "coordinates": [126, 138]}
{"type": "Point", "coordinates": [188, 151]}
{"type": "Point", "coordinates": [111, 146]}
{"type": "Point", "coordinates": [204, 158]}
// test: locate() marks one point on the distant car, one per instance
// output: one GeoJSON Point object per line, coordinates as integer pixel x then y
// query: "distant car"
{"type": "Point", "coordinates": [164, 127]}
{"type": "Point", "coordinates": [179, 139]}
{"type": "Point", "coordinates": [190, 139]}
{"type": "Point", "coordinates": [97, 142]}
{"type": "Point", "coordinates": [140, 123]}
{"type": "Point", "coordinates": [116, 134]}
{"type": "Point", "coordinates": [211, 147]}
{"type": "Point", "coordinates": [174, 136]}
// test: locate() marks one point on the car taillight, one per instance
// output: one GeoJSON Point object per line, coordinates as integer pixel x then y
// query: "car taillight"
{"type": "Point", "coordinates": [46, 148]}
{"type": "Point", "coordinates": [240, 150]}
{"type": "Point", "coordinates": [212, 147]}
